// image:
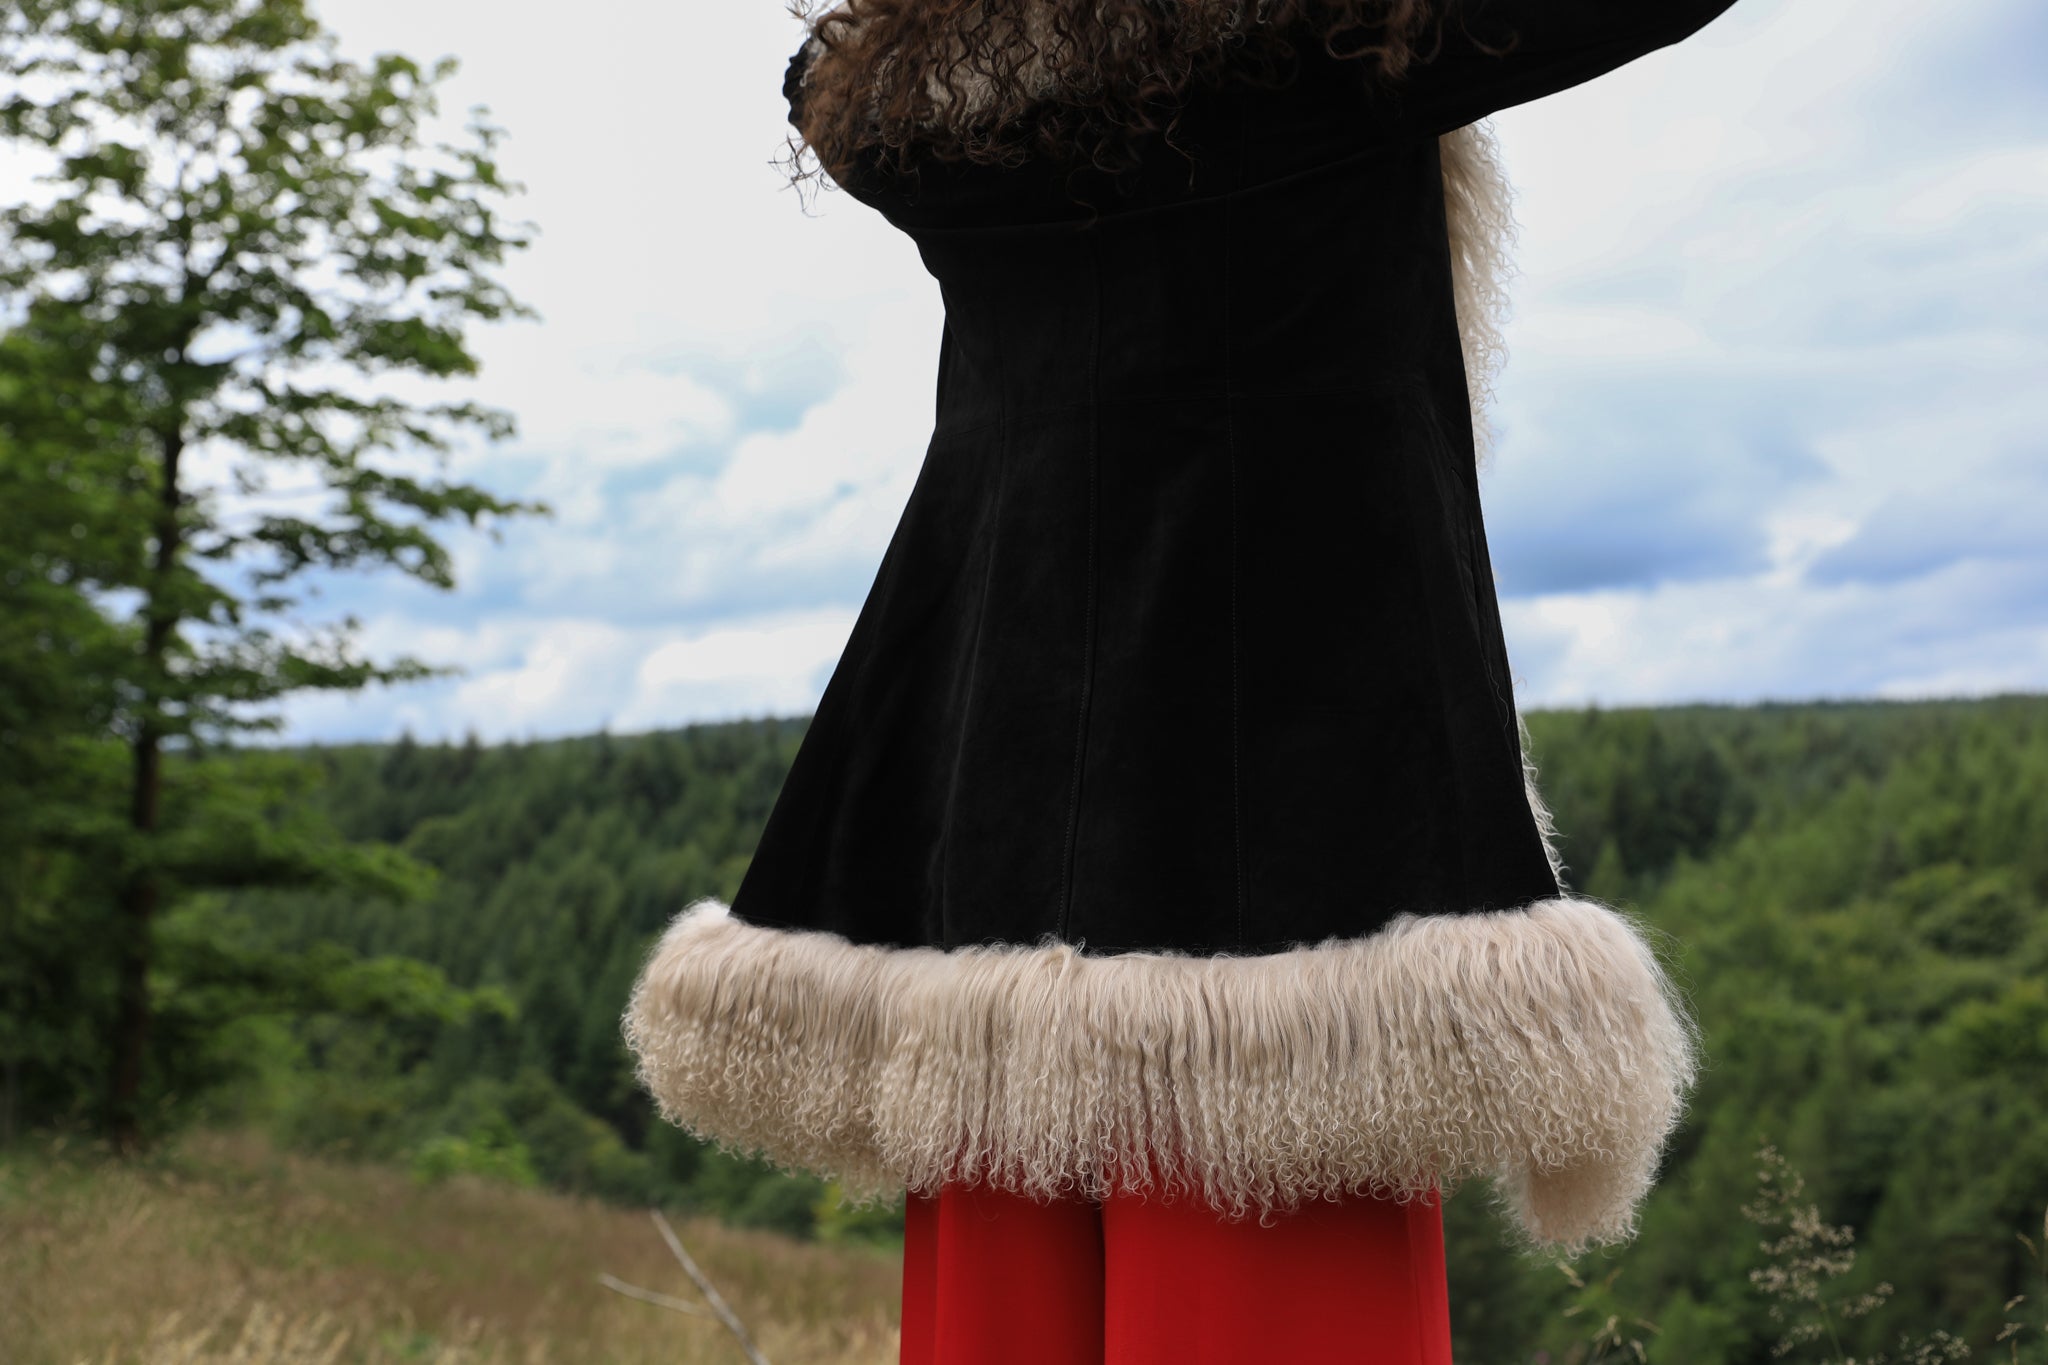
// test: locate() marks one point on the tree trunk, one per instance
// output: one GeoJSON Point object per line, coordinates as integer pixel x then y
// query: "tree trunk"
{"type": "Point", "coordinates": [137, 927]}
{"type": "Point", "coordinates": [139, 891]}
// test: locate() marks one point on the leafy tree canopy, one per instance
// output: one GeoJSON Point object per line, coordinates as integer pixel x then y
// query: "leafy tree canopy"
{"type": "Point", "coordinates": [244, 255]}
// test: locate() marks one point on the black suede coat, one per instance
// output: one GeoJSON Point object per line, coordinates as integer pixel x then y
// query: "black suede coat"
{"type": "Point", "coordinates": [1165, 822]}
{"type": "Point", "coordinates": [1187, 637]}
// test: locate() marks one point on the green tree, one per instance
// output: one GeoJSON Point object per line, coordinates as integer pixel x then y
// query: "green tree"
{"type": "Point", "coordinates": [242, 236]}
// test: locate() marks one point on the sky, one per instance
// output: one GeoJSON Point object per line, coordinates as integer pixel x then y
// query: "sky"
{"type": "Point", "coordinates": [1773, 423]}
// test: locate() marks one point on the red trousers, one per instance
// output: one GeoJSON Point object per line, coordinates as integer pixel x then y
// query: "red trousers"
{"type": "Point", "coordinates": [998, 1279]}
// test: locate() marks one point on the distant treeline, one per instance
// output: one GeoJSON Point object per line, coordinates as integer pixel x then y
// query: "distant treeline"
{"type": "Point", "coordinates": [1853, 895]}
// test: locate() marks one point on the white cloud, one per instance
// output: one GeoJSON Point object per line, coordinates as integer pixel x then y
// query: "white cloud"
{"type": "Point", "coordinates": [764, 668]}
{"type": "Point", "coordinates": [528, 675]}
{"type": "Point", "coordinates": [1953, 632]}
{"type": "Point", "coordinates": [1753, 243]}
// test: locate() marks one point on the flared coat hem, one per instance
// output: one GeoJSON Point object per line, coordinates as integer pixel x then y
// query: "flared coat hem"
{"type": "Point", "coordinates": [1543, 1047]}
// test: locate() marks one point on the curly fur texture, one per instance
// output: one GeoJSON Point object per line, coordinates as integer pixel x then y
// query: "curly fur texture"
{"type": "Point", "coordinates": [1479, 217]}
{"type": "Point", "coordinates": [1542, 1046]}
{"type": "Point", "coordinates": [1546, 824]}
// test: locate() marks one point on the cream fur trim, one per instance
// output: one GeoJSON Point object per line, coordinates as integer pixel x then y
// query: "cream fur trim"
{"type": "Point", "coordinates": [1480, 221]}
{"type": "Point", "coordinates": [1543, 1046]}
{"type": "Point", "coordinates": [1546, 824]}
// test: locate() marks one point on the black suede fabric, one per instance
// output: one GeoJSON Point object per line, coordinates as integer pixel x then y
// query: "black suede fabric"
{"type": "Point", "coordinates": [1187, 636]}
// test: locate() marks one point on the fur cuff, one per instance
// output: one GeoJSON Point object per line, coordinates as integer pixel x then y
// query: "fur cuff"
{"type": "Point", "coordinates": [1543, 1046]}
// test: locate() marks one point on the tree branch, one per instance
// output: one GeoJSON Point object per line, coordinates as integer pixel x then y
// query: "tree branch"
{"type": "Point", "coordinates": [711, 1295]}
{"type": "Point", "coordinates": [634, 1291]}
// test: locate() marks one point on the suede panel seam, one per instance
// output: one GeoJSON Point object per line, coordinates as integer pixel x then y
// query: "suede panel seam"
{"type": "Point", "coordinates": [1088, 615]}
{"type": "Point", "coordinates": [1241, 890]}
{"type": "Point", "coordinates": [973, 667]}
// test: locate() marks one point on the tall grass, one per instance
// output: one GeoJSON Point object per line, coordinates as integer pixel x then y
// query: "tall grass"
{"type": "Point", "coordinates": [223, 1249]}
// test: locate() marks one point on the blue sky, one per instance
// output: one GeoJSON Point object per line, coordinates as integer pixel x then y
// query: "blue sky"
{"type": "Point", "coordinates": [1773, 424]}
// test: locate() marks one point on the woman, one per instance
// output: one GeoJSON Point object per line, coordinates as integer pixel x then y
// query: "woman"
{"type": "Point", "coordinates": [1159, 894]}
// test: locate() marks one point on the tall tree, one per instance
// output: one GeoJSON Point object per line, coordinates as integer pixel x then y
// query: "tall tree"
{"type": "Point", "coordinates": [242, 239]}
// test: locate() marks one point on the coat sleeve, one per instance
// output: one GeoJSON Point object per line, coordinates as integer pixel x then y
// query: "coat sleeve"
{"type": "Point", "coordinates": [1495, 54]}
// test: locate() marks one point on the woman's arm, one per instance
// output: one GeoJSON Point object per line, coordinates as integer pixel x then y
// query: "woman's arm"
{"type": "Point", "coordinates": [1500, 53]}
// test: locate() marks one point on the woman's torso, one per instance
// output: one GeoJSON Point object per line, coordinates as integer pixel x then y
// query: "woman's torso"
{"type": "Point", "coordinates": [1187, 636]}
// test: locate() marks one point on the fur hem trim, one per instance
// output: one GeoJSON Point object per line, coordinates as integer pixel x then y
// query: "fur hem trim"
{"type": "Point", "coordinates": [1543, 1046]}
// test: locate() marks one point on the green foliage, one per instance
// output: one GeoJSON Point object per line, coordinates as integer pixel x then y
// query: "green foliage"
{"type": "Point", "coordinates": [238, 234]}
{"type": "Point", "coordinates": [1608, 1330]}
{"type": "Point", "coordinates": [236, 221]}
{"type": "Point", "coordinates": [1861, 925]}
{"type": "Point", "coordinates": [555, 865]}
{"type": "Point", "coordinates": [837, 1220]}
{"type": "Point", "coordinates": [487, 1157]}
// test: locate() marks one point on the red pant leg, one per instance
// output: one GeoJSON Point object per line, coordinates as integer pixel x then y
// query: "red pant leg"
{"type": "Point", "coordinates": [1357, 1282]}
{"type": "Point", "coordinates": [920, 1277]}
{"type": "Point", "coordinates": [999, 1279]}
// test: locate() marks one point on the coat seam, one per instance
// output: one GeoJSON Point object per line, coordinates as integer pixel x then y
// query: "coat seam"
{"type": "Point", "coordinates": [1240, 889]}
{"type": "Point", "coordinates": [974, 659]}
{"type": "Point", "coordinates": [1432, 632]}
{"type": "Point", "coordinates": [1089, 610]}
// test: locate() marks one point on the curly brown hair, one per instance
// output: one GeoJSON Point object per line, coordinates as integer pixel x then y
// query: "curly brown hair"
{"type": "Point", "coordinates": [1078, 82]}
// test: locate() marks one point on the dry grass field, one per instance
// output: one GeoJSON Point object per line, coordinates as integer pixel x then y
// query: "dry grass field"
{"type": "Point", "coordinates": [221, 1249]}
